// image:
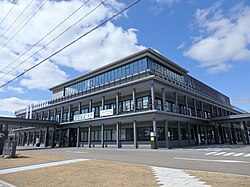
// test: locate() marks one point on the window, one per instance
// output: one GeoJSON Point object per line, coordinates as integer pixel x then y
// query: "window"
{"type": "Point", "coordinates": [145, 102]}
{"type": "Point", "coordinates": [184, 134]}
{"type": "Point", "coordinates": [144, 133]}
{"type": "Point", "coordinates": [173, 134]}
{"type": "Point", "coordinates": [139, 103]}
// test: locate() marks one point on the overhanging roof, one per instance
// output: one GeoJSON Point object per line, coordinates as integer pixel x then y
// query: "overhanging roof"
{"type": "Point", "coordinates": [232, 118]}
{"type": "Point", "coordinates": [27, 122]}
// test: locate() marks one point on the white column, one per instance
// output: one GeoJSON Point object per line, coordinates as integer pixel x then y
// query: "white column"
{"type": "Point", "coordinates": [102, 137]}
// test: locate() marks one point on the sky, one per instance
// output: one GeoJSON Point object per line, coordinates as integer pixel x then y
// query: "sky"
{"type": "Point", "coordinates": [211, 39]}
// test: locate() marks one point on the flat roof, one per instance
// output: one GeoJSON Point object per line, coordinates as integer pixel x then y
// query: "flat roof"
{"type": "Point", "coordinates": [143, 53]}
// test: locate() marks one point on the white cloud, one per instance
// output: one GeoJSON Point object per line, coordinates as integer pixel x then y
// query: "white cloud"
{"type": "Point", "coordinates": [242, 100]}
{"type": "Point", "coordinates": [224, 37]}
{"type": "Point", "coordinates": [9, 105]}
{"type": "Point", "coordinates": [105, 45]}
{"type": "Point", "coordinates": [16, 89]}
{"type": "Point", "coordinates": [181, 46]}
{"type": "Point", "coordinates": [169, 2]}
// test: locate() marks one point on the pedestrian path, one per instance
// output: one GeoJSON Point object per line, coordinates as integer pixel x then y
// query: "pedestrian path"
{"type": "Point", "coordinates": [5, 184]}
{"type": "Point", "coordinates": [176, 178]}
{"type": "Point", "coordinates": [226, 154]}
{"type": "Point", "coordinates": [36, 166]}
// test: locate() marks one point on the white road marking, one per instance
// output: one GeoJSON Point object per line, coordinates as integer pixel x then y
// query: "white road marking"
{"type": "Point", "coordinates": [247, 155]}
{"type": "Point", "coordinates": [211, 153]}
{"type": "Point", "coordinates": [206, 160]}
{"type": "Point", "coordinates": [220, 153]}
{"type": "Point", "coordinates": [76, 152]}
{"type": "Point", "coordinates": [239, 154]}
{"type": "Point", "coordinates": [36, 166]}
{"type": "Point", "coordinates": [228, 154]}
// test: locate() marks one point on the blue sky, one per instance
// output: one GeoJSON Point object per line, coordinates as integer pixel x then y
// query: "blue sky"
{"type": "Point", "coordinates": [208, 38]}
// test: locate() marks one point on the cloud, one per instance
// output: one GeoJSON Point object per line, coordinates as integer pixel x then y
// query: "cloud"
{"type": "Point", "coordinates": [8, 105]}
{"type": "Point", "coordinates": [16, 89]}
{"type": "Point", "coordinates": [224, 37]}
{"type": "Point", "coordinates": [242, 100]}
{"type": "Point", "coordinates": [169, 2]}
{"type": "Point", "coordinates": [181, 46]}
{"type": "Point", "coordinates": [103, 46]}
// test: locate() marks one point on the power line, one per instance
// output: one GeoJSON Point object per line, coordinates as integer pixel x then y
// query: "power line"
{"type": "Point", "coordinates": [34, 13]}
{"type": "Point", "coordinates": [16, 19]}
{"type": "Point", "coordinates": [55, 38]}
{"type": "Point", "coordinates": [69, 44]}
{"type": "Point", "coordinates": [46, 34]}
{"type": "Point", "coordinates": [14, 3]}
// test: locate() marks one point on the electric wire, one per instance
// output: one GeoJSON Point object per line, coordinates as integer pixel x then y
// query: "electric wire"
{"type": "Point", "coordinates": [82, 5]}
{"type": "Point", "coordinates": [34, 13]}
{"type": "Point", "coordinates": [16, 19]}
{"type": "Point", "coordinates": [102, 2]}
{"type": "Point", "coordinates": [14, 4]}
{"type": "Point", "coordinates": [69, 44]}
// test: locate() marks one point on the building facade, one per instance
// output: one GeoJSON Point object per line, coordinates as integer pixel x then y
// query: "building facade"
{"type": "Point", "coordinates": [126, 102]}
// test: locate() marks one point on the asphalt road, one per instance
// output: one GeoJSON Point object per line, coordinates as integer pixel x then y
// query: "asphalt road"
{"type": "Point", "coordinates": [234, 159]}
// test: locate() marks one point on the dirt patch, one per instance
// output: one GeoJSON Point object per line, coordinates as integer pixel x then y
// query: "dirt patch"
{"type": "Point", "coordinates": [86, 173]}
{"type": "Point", "coordinates": [28, 159]}
{"type": "Point", "coordinates": [222, 180]}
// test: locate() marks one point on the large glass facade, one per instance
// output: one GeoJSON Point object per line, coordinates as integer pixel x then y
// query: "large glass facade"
{"type": "Point", "coordinates": [109, 76]}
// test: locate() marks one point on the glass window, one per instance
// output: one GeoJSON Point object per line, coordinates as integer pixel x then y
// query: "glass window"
{"type": "Point", "coordinates": [144, 133]}
{"type": "Point", "coordinates": [139, 103]}
{"type": "Point", "coordinates": [173, 134]}
{"type": "Point", "coordinates": [123, 71]}
{"type": "Point", "coordinates": [135, 67]}
{"type": "Point", "coordinates": [145, 102]}
{"type": "Point", "coordinates": [113, 134]}
{"type": "Point", "coordinates": [161, 133]}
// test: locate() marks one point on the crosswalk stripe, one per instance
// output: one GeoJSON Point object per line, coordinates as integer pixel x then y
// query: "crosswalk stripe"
{"type": "Point", "coordinates": [220, 153]}
{"type": "Point", "coordinates": [210, 153]}
{"type": "Point", "coordinates": [239, 154]}
{"type": "Point", "coordinates": [247, 155]}
{"type": "Point", "coordinates": [229, 154]}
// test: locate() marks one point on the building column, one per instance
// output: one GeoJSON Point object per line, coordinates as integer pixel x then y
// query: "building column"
{"type": "Point", "coordinates": [135, 135]}
{"type": "Point", "coordinates": [34, 138]}
{"type": "Point", "coordinates": [205, 133]}
{"type": "Point", "coordinates": [163, 91]}
{"type": "Point", "coordinates": [69, 113]}
{"type": "Point", "coordinates": [189, 134]}
{"type": "Point", "coordinates": [46, 141]}
{"type": "Point", "coordinates": [89, 137]}
{"type": "Point", "coordinates": [117, 103]}
{"type": "Point", "coordinates": [242, 133]}
{"type": "Point", "coordinates": [78, 137]}
{"type": "Point", "coordinates": [246, 132]}
{"type": "Point", "coordinates": [186, 105]}
{"type": "Point", "coordinates": [153, 96]}
{"type": "Point", "coordinates": [103, 102]}
{"type": "Point", "coordinates": [23, 140]}
{"type": "Point", "coordinates": [166, 134]}
{"type": "Point", "coordinates": [118, 135]}
{"type": "Point", "coordinates": [60, 137]}
{"type": "Point", "coordinates": [102, 137]}
{"type": "Point", "coordinates": [179, 133]}
{"type": "Point", "coordinates": [221, 134]}
{"type": "Point", "coordinates": [176, 102]}
{"type": "Point", "coordinates": [79, 108]}
{"type": "Point", "coordinates": [233, 134]}
{"type": "Point", "coordinates": [212, 110]}
{"type": "Point", "coordinates": [90, 105]}
{"type": "Point", "coordinates": [48, 114]}
{"type": "Point", "coordinates": [134, 99]}
{"type": "Point", "coordinates": [224, 134]}
{"type": "Point", "coordinates": [68, 138]}
{"type": "Point", "coordinates": [195, 108]}
{"type": "Point", "coordinates": [202, 109]}
{"type": "Point", "coordinates": [28, 138]}
{"type": "Point", "coordinates": [155, 132]}
{"type": "Point", "coordinates": [40, 135]}
{"type": "Point", "coordinates": [229, 132]}
{"type": "Point", "coordinates": [216, 134]}
{"type": "Point", "coordinates": [198, 141]}
{"type": "Point", "coordinates": [54, 117]}
{"type": "Point", "coordinates": [53, 137]}
{"type": "Point", "coordinates": [61, 117]}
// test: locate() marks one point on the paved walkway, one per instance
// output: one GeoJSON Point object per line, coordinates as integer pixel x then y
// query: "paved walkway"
{"type": "Point", "coordinates": [36, 166]}
{"type": "Point", "coordinates": [175, 178]}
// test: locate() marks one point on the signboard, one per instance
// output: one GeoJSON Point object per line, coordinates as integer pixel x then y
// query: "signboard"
{"type": "Point", "coordinates": [109, 112]}
{"type": "Point", "coordinates": [79, 117]}
{"type": "Point", "coordinates": [10, 148]}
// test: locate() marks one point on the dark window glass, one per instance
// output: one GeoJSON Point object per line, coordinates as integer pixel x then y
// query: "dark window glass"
{"type": "Point", "coordinates": [173, 134]}
{"type": "Point", "coordinates": [144, 133]}
{"type": "Point", "coordinates": [161, 133]}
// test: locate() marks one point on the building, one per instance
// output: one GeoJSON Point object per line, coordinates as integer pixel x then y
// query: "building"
{"type": "Point", "coordinates": [126, 102]}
